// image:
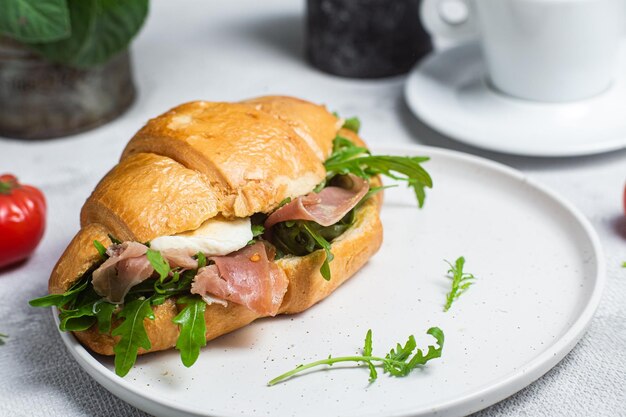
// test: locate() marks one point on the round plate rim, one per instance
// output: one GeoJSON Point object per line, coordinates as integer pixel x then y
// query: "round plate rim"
{"type": "Point", "coordinates": [466, 137]}
{"type": "Point", "coordinates": [473, 401]}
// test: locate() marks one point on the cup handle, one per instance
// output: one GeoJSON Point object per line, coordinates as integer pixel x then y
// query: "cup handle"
{"type": "Point", "coordinates": [453, 20]}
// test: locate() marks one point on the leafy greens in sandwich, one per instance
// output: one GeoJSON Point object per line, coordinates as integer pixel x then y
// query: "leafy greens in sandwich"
{"type": "Point", "coordinates": [118, 292]}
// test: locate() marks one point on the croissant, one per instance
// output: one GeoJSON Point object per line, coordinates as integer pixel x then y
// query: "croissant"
{"type": "Point", "coordinates": [215, 160]}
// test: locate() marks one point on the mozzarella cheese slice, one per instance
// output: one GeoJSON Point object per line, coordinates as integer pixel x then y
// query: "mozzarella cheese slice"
{"type": "Point", "coordinates": [217, 236]}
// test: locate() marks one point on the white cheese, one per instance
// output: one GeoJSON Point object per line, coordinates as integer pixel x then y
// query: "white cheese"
{"type": "Point", "coordinates": [215, 236]}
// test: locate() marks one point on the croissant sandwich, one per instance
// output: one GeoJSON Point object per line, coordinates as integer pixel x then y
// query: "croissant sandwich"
{"type": "Point", "coordinates": [218, 214]}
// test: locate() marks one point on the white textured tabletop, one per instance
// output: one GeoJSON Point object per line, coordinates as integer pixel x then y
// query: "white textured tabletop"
{"type": "Point", "coordinates": [229, 50]}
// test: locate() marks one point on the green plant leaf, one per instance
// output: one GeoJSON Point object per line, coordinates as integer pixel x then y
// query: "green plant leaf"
{"type": "Point", "coordinates": [2, 337]}
{"type": "Point", "coordinates": [350, 158]}
{"type": "Point", "coordinates": [133, 334]}
{"type": "Point", "coordinates": [325, 268]}
{"type": "Point", "coordinates": [461, 281]}
{"type": "Point", "coordinates": [201, 260]}
{"type": "Point", "coordinates": [367, 351]}
{"type": "Point", "coordinates": [31, 21]}
{"type": "Point", "coordinates": [77, 323]}
{"type": "Point", "coordinates": [192, 329]}
{"type": "Point", "coordinates": [396, 363]}
{"type": "Point", "coordinates": [100, 30]}
{"type": "Point", "coordinates": [59, 300]}
{"type": "Point", "coordinates": [257, 230]}
{"type": "Point", "coordinates": [159, 263]}
{"type": "Point", "coordinates": [104, 314]}
{"type": "Point", "coordinates": [114, 240]}
{"type": "Point", "coordinates": [353, 124]}
{"type": "Point", "coordinates": [101, 249]}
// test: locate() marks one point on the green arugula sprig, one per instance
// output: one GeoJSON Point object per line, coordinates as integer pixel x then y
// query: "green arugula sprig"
{"type": "Point", "coordinates": [348, 158]}
{"type": "Point", "coordinates": [353, 124]}
{"type": "Point", "coordinates": [461, 281]}
{"type": "Point", "coordinates": [192, 328]}
{"type": "Point", "coordinates": [319, 239]}
{"type": "Point", "coordinates": [2, 337]}
{"type": "Point", "coordinates": [624, 264]}
{"type": "Point", "coordinates": [80, 307]}
{"type": "Point", "coordinates": [399, 362]}
{"type": "Point", "coordinates": [257, 230]}
{"type": "Point", "coordinates": [132, 332]}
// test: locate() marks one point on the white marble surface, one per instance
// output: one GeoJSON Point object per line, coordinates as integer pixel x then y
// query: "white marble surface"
{"type": "Point", "coordinates": [228, 50]}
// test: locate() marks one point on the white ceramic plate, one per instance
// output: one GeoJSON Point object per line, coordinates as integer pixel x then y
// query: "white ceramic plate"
{"type": "Point", "coordinates": [540, 275]}
{"type": "Point", "coordinates": [449, 92]}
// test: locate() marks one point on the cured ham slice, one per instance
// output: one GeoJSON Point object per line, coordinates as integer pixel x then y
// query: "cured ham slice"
{"type": "Point", "coordinates": [247, 277]}
{"type": "Point", "coordinates": [326, 207]}
{"type": "Point", "coordinates": [179, 258]}
{"type": "Point", "coordinates": [126, 267]}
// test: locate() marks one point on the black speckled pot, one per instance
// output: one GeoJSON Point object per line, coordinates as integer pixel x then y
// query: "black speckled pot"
{"type": "Point", "coordinates": [365, 38]}
{"type": "Point", "coordinates": [40, 100]}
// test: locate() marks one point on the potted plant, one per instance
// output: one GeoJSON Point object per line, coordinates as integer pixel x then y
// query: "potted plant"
{"type": "Point", "coordinates": [64, 64]}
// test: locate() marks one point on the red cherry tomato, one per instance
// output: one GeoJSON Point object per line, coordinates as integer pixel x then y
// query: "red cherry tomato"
{"type": "Point", "coordinates": [22, 219]}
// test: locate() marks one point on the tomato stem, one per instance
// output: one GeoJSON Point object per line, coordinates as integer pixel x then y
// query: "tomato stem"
{"type": "Point", "coordinates": [6, 187]}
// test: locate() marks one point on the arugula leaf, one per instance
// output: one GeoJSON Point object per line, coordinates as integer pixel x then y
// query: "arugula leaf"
{"type": "Point", "coordinates": [78, 319]}
{"type": "Point", "coordinates": [432, 353]}
{"type": "Point", "coordinates": [132, 334]}
{"type": "Point", "coordinates": [77, 323]}
{"type": "Point", "coordinates": [319, 239]}
{"type": "Point", "coordinates": [2, 337]}
{"type": "Point", "coordinates": [397, 359]}
{"type": "Point", "coordinates": [159, 298]}
{"type": "Point", "coordinates": [50, 300]}
{"type": "Point", "coordinates": [114, 240]}
{"type": "Point", "coordinates": [367, 351]}
{"type": "Point", "coordinates": [35, 20]}
{"type": "Point", "coordinates": [104, 314]}
{"type": "Point", "coordinates": [397, 363]}
{"type": "Point", "coordinates": [348, 158]}
{"type": "Point", "coordinates": [371, 192]}
{"type": "Point", "coordinates": [100, 30]}
{"type": "Point", "coordinates": [192, 328]}
{"type": "Point", "coordinates": [292, 238]}
{"type": "Point", "coordinates": [301, 238]}
{"type": "Point", "coordinates": [624, 264]}
{"type": "Point", "coordinates": [461, 281]}
{"type": "Point", "coordinates": [201, 260]}
{"type": "Point", "coordinates": [160, 265]}
{"type": "Point", "coordinates": [284, 201]}
{"type": "Point", "coordinates": [257, 230]}
{"type": "Point", "coordinates": [80, 313]}
{"type": "Point", "coordinates": [101, 249]}
{"type": "Point", "coordinates": [60, 300]}
{"type": "Point", "coordinates": [353, 124]}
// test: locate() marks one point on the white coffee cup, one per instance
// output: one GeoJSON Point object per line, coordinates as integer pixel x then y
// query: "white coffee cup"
{"type": "Point", "coordinates": [542, 50]}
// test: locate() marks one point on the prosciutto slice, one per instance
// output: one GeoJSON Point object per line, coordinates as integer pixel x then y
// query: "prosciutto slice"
{"type": "Point", "coordinates": [179, 258]}
{"type": "Point", "coordinates": [126, 267]}
{"type": "Point", "coordinates": [326, 207]}
{"type": "Point", "coordinates": [247, 277]}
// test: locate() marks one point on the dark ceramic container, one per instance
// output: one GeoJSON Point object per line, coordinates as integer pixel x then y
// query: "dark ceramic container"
{"type": "Point", "coordinates": [40, 100]}
{"type": "Point", "coordinates": [365, 38]}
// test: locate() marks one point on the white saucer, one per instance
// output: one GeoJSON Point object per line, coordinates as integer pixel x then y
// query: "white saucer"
{"type": "Point", "coordinates": [449, 92]}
